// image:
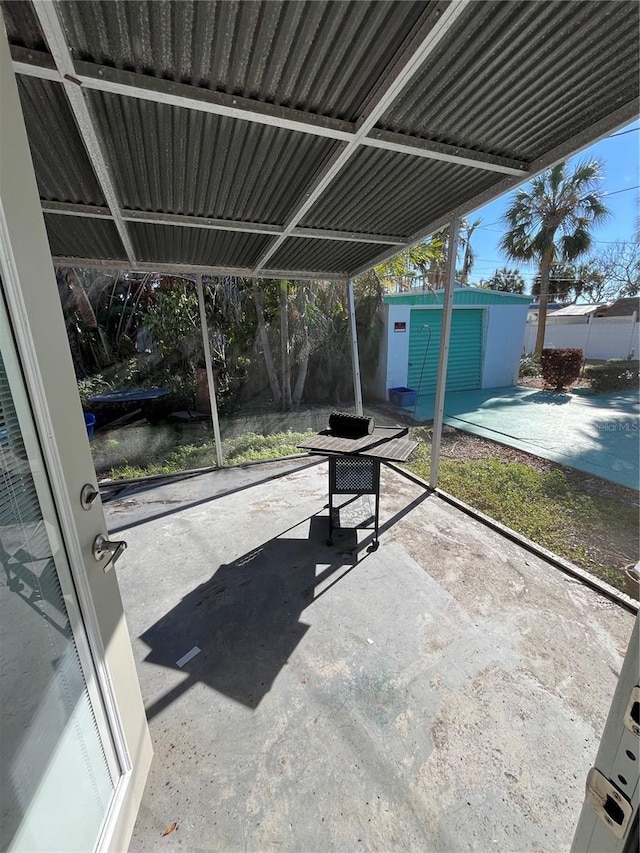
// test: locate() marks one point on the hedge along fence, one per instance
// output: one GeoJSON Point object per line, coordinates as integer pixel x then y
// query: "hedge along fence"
{"type": "Point", "coordinates": [561, 367]}
{"type": "Point", "coordinates": [618, 374]}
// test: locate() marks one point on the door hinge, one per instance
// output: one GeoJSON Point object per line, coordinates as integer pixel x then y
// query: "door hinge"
{"type": "Point", "coordinates": [608, 803]}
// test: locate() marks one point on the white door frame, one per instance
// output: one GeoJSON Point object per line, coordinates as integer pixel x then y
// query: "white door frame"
{"type": "Point", "coordinates": [617, 773]}
{"type": "Point", "coordinates": [35, 315]}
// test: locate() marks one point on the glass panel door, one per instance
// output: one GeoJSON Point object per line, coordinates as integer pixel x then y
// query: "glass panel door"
{"type": "Point", "coordinates": [58, 769]}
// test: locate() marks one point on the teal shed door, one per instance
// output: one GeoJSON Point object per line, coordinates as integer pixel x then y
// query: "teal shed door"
{"type": "Point", "coordinates": [465, 350]}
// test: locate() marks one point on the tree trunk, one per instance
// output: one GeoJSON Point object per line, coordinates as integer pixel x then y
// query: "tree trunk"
{"type": "Point", "coordinates": [266, 348]}
{"type": "Point", "coordinates": [467, 260]}
{"type": "Point", "coordinates": [332, 287]}
{"type": "Point", "coordinates": [435, 279]}
{"type": "Point", "coordinates": [543, 299]}
{"type": "Point", "coordinates": [306, 349]}
{"type": "Point", "coordinates": [285, 347]}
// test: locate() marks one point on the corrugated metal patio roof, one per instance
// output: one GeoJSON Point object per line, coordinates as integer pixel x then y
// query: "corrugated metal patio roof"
{"type": "Point", "coordinates": [302, 139]}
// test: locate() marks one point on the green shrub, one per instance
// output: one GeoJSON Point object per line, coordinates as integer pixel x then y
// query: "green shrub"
{"type": "Point", "coordinates": [561, 367]}
{"type": "Point", "coordinates": [618, 374]}
{"type": "Point", "coordinates": [529, 366]}
{"type": "Point", "coordinates": [92, 385]}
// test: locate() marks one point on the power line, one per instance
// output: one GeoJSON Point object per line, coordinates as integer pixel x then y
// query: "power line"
{"type": "Point", "coordinates": [625, 190]}
{"type": "Point", "coordinates": [615, 242]}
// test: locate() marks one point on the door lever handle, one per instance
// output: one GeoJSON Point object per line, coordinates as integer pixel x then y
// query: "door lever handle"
{"type": "Point", "coordinates": [103, 546]}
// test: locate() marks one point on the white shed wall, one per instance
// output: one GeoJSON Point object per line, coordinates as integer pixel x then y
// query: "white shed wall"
{"type": "Point", "coordinates": [503, 344]}
{"type": "Point", "coordinates": [503, 340]}
{"type": "Point", "coordinates": [602, 337]}
{"type": "Point", "coordinates": [397, 347]}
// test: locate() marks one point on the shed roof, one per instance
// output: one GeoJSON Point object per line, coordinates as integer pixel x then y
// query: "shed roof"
{"type": "Point", "coordinates": [623, 307]}
{"type": "Point", "coordinates": [302, 139]}
{"type": "Point", "coordinates": [461, 296]}
{"type": "Point", "coordinates": [579, 310]}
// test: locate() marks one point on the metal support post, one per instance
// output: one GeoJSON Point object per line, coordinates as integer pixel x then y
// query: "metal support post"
{"type": "Point", "coordinates": [209, 366]}
{"type": "Point", "coordinates": [355, 360]}
{"type": "Point", "coordinates": [447, 311]}
{"type": "Point", "coordinates": [631, 350]}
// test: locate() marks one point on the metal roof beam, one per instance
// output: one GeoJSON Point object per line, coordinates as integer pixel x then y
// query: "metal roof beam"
{"type": "Point", "coordinates": [435, 28]}
{"type": "Point", "coordinates": [203, 222]}
{"type": "Point", "coordinates": [34, 63]}
{"type": "Point", "coordinates": [53, 32]}
{"type": "Point", "coordinates": [157, 90]}
{"type": "Point", "coordinates": [347, 236]}
{"type": "Point", "coordinates": [160, 91]}
{"type": "Point", "coordinates": [585, 138]}
{"type": "Point", "coordinates": [208, 224]}
{"type": "Point", "coordinates": [65, 208]}
{"type": "Point", "coordinates": [440, 151]}
{"type": "Point", "coordinates": [194, 269]}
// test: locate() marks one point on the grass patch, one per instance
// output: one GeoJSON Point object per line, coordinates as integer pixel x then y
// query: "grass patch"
{"type": "Point", "coordinates": [598, 533]}
{"type": "Point", "coordinates": [170, 451]}
{"type": "Point", "coordinates": [252, 447]}
{"type": "Point", "coordinates": [545, 507]}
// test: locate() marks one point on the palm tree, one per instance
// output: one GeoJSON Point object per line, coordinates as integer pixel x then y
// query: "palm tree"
{"type": "Point", "coordinates": [468, 255]}
{"type": "Point", "coordinates": [412, 263]}
{"type": "Point", "coordinates": [550, 221]}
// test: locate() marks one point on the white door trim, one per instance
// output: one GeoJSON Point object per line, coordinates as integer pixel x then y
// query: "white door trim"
{"type": "Point", "coordinates": [35, 316]}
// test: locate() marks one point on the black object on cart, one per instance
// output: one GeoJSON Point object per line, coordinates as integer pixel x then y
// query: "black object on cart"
{"type": "Point", "coordinates": [354, 466]}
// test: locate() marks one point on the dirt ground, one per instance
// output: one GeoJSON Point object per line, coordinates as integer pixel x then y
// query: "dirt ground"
{"type": "Point", "coordinates": [606, 548]}
{"type": "Point", "coordinates": [465, 446]}
{"type": "Point", "coordinates": [538, 382]}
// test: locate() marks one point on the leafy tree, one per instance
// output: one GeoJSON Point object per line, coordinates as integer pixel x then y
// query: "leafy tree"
{"type": "Point", "coordinates": [570, 282]}
{"type": "Point", "coordinates": [605, 276]}
{"type": "Point", "coordinates": [620, 266]}
{"type": "Point", "coordinates": [173, 321]}
{"type": "Point", "coordinates": [426, 261]}
{"type": "Point", "coordinates": [411, 264]}
{"type": "Point", "coordinates": [103, 313]}
{"type": "Point", "coordinates": [507, 280]}
{"type": "Point", "coordinates": [550, 221]}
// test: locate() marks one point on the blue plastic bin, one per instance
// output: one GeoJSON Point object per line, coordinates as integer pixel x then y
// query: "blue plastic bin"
{"type": "Point", "coordinates": [404, 397]}
{"type": "Point", "coordinates": [90, 422]}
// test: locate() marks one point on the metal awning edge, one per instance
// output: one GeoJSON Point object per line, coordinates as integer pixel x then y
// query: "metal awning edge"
{"type": "Point", "coordinates": [195, 269]}
{"type": "Point", "coordinates": [602, 128]}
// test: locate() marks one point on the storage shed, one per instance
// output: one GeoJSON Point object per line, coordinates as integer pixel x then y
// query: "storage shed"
{"type": "Point", "coordinates": [487, 333]}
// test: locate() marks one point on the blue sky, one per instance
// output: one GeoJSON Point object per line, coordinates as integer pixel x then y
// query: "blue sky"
{"type": "Point", "coordinates": [621, 165]}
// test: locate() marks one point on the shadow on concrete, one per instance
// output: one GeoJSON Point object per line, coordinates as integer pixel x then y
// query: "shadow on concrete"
{"type": "Point", "coordinates": [130, 492]}
{"type": "Point", "coordinates": [555, 398]}
{"type": "Point", "coordinates": [245, 618]}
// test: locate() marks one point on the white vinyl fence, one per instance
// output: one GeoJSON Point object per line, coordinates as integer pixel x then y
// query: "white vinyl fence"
{"type": "Point", "coordinates": [601, 337]}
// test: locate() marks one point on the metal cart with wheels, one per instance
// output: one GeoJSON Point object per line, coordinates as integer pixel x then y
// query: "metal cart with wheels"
{"type": "Point", "coordinates": [354, 467]}
{"type": "Point", "coordinates": [353, 475]}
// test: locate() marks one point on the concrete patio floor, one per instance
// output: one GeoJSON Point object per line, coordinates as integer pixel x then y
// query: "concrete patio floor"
{"type": "Point", "coordinates": [597, 434]}
{"type": "Point", "coordinates": [445, 692]}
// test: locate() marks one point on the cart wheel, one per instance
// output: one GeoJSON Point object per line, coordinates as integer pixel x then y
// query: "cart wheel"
{"type": "Point", "coordinates": [329, 541]}
{"type": "Point", "coordinates": [374, 546]}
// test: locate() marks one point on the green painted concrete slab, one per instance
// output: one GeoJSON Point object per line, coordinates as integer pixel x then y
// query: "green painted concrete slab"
{"type": "Point", "coordinates": [596, 434]}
